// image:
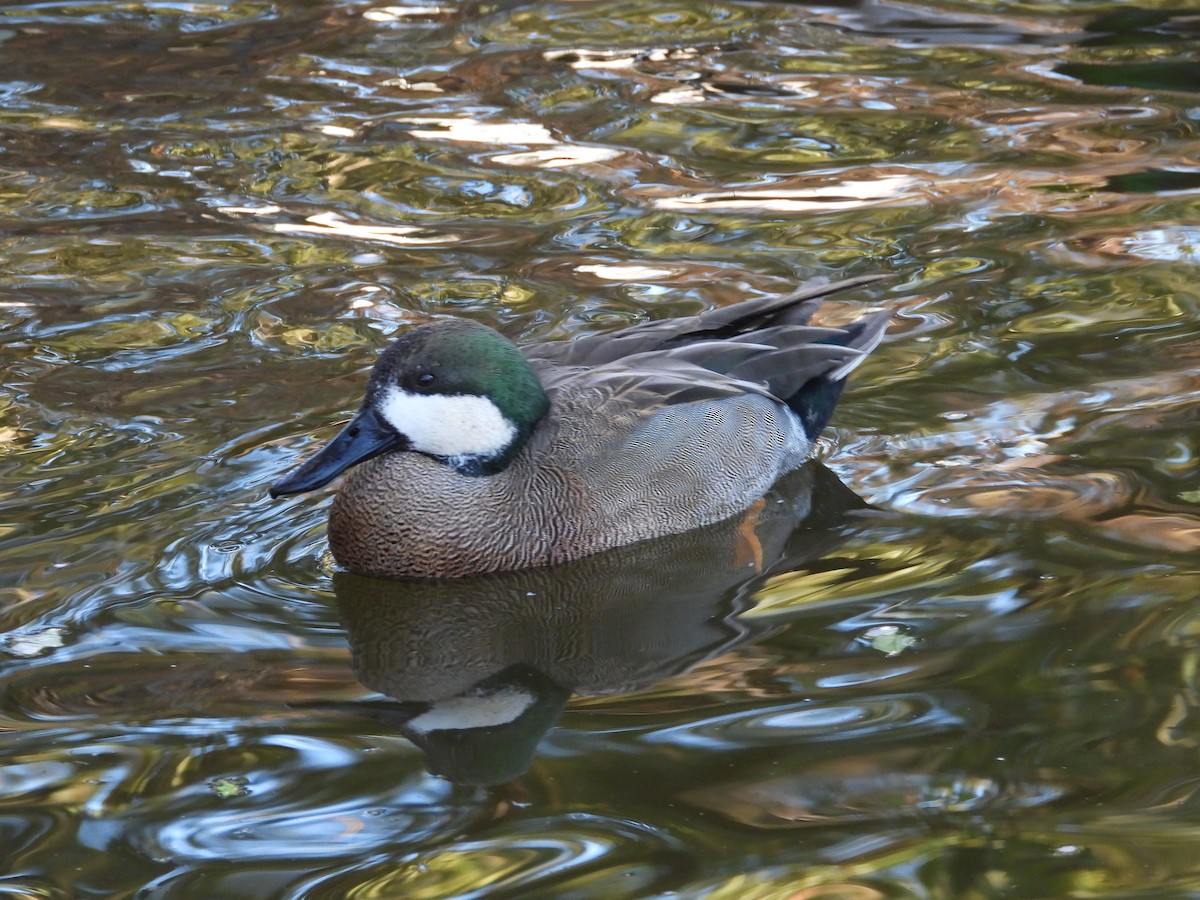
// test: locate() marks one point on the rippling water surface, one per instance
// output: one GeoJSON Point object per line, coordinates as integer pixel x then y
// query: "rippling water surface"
{"type": "Point", "coordinates": [213, 215]}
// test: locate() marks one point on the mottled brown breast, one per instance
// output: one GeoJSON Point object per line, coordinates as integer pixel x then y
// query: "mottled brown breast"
{"type": "Point", "coordinates": [407, 515]}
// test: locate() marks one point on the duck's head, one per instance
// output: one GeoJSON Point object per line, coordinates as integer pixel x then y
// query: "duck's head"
{"type": "Point", "coordinates": [454, 390]}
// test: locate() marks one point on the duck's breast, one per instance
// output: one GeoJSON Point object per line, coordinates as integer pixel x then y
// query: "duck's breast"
{"type": "Point", "coordinates": [404, 514]}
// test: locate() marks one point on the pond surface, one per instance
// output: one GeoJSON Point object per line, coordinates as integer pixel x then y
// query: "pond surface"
{"type": "Point", "coordinates": [986, 685]}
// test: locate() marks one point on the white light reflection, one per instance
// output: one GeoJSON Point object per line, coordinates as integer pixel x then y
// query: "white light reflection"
{"type": "Point", "coordinates": [619, 59]}
{"type": "Point", "coordinates": [472, 131]}
{"type": "Point", "coordinates": [396, 13]}
{"type": "Point", "coordinates": [330, 224]}
{"type": "Point", "coordinates": [628, 272]}
{"type": "Point", "coordinates": [680, 96]}
{"type": "Point", "coordinates": [251, 210]}
{"type": "Point", "coordinates": [693, 93]}
{"type": "Point", "coordinates": [405, 85]}
{"type": "Point", "coordinates": [843, 195]}
{"type": "Point", "coordinates": [552, 153]}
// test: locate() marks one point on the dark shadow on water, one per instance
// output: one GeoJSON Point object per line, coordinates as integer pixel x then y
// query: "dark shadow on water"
{"type": "Point", "coordinates": [480, 669]}
{"type": "Point", "coordinates": [1132, 26]}
{"type": "Point", "coordinates": [1153, 181]}
{"type": "Point", "coordinates": [1152, 76]}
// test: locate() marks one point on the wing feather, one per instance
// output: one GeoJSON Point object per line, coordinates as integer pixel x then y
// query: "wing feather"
{"type": "Point", "coordinates": [722, 323]}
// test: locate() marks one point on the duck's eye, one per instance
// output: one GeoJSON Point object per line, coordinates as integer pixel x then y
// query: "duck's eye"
{"type": "Point", "coordinates": [425, 379]}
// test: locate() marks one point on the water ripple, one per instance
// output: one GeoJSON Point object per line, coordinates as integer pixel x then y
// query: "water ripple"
{"type": "Point", "coordinates": [820, 799]}
{"type": "Point", "coordinates": [811, 721]}
{"type": "Point", "coordinates": [613, 856]}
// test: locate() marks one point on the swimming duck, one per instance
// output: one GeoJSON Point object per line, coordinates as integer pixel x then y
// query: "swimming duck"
{"type": "Point", "coordinates": [470, 455]}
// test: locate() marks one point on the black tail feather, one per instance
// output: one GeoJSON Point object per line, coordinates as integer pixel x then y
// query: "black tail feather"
{"type": "Point", "coordinates": [816, 399]}
{"type": "Point", "coordinates": [814, 404]}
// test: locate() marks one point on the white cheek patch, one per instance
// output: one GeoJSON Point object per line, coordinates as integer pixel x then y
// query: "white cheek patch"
{"type": "Point", "coordinates": [445, 424]}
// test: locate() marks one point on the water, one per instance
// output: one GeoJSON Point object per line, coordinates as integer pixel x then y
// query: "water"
{"type": "Point", "coordinates": [214, 215]}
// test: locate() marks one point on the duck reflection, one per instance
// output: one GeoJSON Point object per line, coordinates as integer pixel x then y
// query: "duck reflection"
{"type": "Point", "coordinates": [483, 667]}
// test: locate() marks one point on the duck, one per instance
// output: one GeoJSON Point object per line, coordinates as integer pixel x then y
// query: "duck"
{"type": "Point", "coordinates": [470, 455]}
